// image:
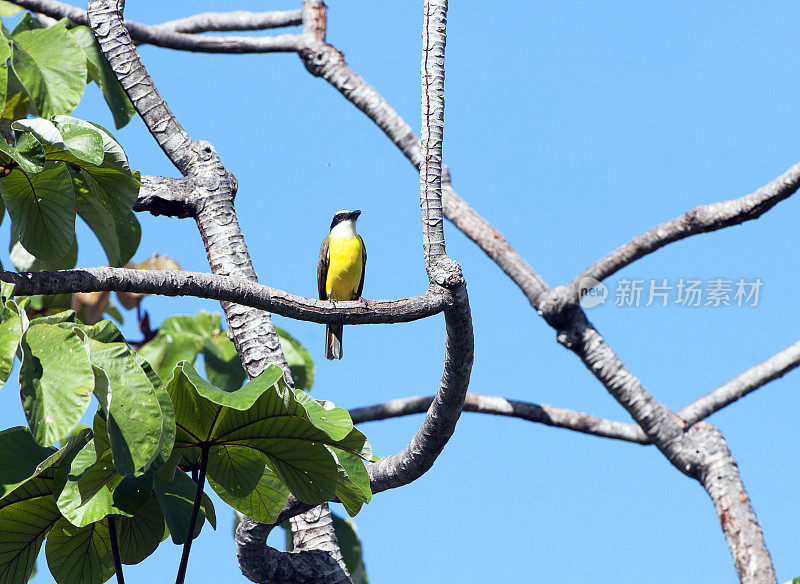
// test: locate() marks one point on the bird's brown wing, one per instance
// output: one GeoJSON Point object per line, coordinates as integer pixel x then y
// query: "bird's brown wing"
{"type": "Point", "coordinates": [363, 268]}
{"type": "Point", "coordinates": [322, 269]}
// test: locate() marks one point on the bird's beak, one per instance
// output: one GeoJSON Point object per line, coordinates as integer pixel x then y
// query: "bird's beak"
{"type": "Point", "coordinates": [354, 214]}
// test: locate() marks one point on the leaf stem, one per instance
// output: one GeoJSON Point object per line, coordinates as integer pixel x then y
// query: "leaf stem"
{"type": "Point", "coordinates": [198, 499]}
{"type": "Point", "coordinates": [112, 532]}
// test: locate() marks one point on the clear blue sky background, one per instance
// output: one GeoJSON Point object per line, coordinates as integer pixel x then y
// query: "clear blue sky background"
{"type": "Point", "coordinates": [571, 126]}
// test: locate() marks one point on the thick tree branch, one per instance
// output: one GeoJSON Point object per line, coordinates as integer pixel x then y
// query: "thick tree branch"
{"type": "Point", "coordinates": [168, 35]}
{"type": "Point", "coordinates": [230, 289]}
{"type": "Point", "coordinates": [699, 452]}
{"type": "Point", "coordinates": [499, 406]}
{"type": "Point", "coordinates": [430, 172]}
{"type": "Point", "coordinates": [701, 219]}
{"type": "Point", "coordinates": [757, 376]}
{"type": "Point", "coordinates": [214, 188]}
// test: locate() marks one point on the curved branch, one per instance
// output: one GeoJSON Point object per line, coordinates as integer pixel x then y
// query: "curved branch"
{"type": "Point", "coordinates": [499, 406]}
{"type": "Point", "coordinates": [229, 289]}
{"type": "Point", "coordinates": [167, 35]}
{"type": "Point", "coordinates": [703, 219]}
{"type": "Point", "coordinates": [748, 381]}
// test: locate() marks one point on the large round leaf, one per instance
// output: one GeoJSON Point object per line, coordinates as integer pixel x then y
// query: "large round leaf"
{"type": "Point", "coordinates": [56, 380]}
{"type": "Point", "coordinates": [51, 66]}
{"type": "Point", "coordinates": [42, 209]}
{"type": "Point", "coordinates": [80, 555]}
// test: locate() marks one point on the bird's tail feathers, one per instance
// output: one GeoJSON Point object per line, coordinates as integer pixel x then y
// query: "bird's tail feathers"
{"type": "Point", "coordinates": [333, 341]}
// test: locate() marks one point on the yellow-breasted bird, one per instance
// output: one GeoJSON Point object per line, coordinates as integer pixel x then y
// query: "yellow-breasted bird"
{"type": "Point", "coordinates": [340, 271]}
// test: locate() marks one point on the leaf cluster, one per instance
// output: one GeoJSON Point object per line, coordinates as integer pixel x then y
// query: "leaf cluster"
{"type": "Point", "coordinates": [60, 483]}
{"type": "Point", "coordinates": [53, 167]}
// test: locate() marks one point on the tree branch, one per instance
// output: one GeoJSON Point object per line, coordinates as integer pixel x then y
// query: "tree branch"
{"type": "Point", "coordinates": [230, 289]}
{"type": "Point", "coordinates": [167, 35]}
{"type": "Point", "coordinates": [699, 452]}
{"type": "Point", "coordinates": [173, 197]}
{"type": "Point", "coordinates": [703, 219]}
{"type": "Point", "coordinates": [430, 172]}
{"type": "Point", "coordinates": [499, 406]}
{"type": "Point", "coordinates": [234, 21]}
{"type": "Point", "coordinates": [757, 376]}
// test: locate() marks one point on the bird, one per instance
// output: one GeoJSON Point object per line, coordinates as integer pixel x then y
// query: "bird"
{"type": "Point", "coordinates": [340, 271]}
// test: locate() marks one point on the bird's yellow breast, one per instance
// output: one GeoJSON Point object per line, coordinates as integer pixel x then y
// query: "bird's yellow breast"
{"type": "Point", "coordinates": [345, 265]}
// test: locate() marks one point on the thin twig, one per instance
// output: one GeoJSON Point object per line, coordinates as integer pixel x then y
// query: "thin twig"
{"type": "Point", "coordinates": [703, 219]}
{"type": "Point", "coordinates": [112, 535]}
{"type": "Point", "coordinates": [746, 382]}
{"type": "Point", "coordinates": [499, 406]}
{"type": "Point", "coordinates": [198, 500]}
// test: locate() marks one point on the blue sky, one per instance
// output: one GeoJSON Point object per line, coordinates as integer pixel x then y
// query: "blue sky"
{"type": "Point", "coordinates": [572, 127]}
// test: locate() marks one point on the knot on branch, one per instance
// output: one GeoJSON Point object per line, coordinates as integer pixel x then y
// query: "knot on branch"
{"type": "Point", "coordinates": [559, 307]}
{"type": "Point", "coordinates": [446, 272]}
{"type": "Point", "coordinates": [319, 57]}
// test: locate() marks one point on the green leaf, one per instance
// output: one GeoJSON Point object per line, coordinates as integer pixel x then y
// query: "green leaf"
{"type": "Point", "coordinates": [334, 421]}
{"type": "Point", "coordinates": [353, 489]}
{"type": "Point", "coordinates": [119, 236]}
{"type": "Point", "coordinates": [104, 331]}
{"type": "Point", "coordinates": [24, 523]}
{"type": "Point", "coordinates": [29, 155]}
{"type": "Point", "coordinates": [177, 499]}
{"type": "Point", "coordinates": [114, 154]}
{"type": "Point", "coordinates": [25, 262]}
{"type": "Point", "coordinates": [17, 101]}
{"type": "Point", "coordinates": [263, 498]}
{"type": "Point", "coordinates": [100, 72]}
{"type": "Point", "coordinates": [28, 511]}
{"type": "Point", "coordinates": [21, 456]}
{"type": "Point", "coordinates": [52, 68]}
{"type": "Point", "coordinates": [80, 555]}
{"type": "Point", "coordinates": [223, 366]}
{"type": "Point", "coordinates": [267, 426]}
{"type": "Point", "coordinates": [350, 544]}
{"type": "Point", "coordinates": [66, 142]}
{"type": "Point", "coordinates": [13, 324]}
{"type": "Point", "coordinates": [299, 359]}
{"type": "Point", "coordinates": [135, 423]}
{"type": "Point", "coordinates": [5, 54]}
{"type": "Point", "coordinates": [112, 182]}
{"type": "Point", "coordinates": [42, 210]}
{"type": "Point", "coordinates": [44, 470]}
{"type": "Point", "coordinates": [139, 536]}
{"type": "Point", "coordinates": [166, 350]}
{"type": "Point", "coordinates": [86, 496]}
{"type": "Point", "coordinates": [56, 380]}
{"type": "Point", "coordinates": [28, 22]}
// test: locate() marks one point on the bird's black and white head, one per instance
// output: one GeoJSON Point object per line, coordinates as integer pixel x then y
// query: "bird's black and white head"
{"type": "Point", "coordinates": [344, 223]}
